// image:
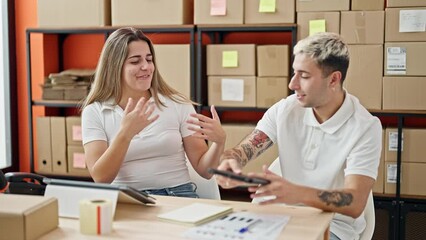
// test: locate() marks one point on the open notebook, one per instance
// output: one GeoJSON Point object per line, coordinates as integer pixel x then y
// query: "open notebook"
{"type": "Point", "coordinates": [196, 214]}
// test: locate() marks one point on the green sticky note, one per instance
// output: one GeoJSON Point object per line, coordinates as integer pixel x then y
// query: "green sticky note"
{"type": "Point", "coordinates": [267, 5]}
{"type": "Point", "coordinates": [316, 26]}
{"type": "Point", "coordinates": [229, 59]}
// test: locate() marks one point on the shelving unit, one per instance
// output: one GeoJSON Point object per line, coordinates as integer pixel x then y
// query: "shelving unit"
{"type": "Point", "coordinates": [62, 34]}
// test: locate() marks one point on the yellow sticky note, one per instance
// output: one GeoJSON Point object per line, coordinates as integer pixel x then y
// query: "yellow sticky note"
{"type": "Point", "coordinates": [316, 26]}
{"type": "Point", "coordinates": [229, 59]}
{"type": "Point", "coordinates": [267, 5]}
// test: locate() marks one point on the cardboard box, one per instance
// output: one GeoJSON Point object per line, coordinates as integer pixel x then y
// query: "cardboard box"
{"type": "Point", "coordinates": [406, 3]}
{"type": "Point", "coordinates": [53, 94]}
{"type": "Point", "coordinates": [404, 93]}
{"type": "Point", "coordinates": [74, 137]}
{"type": "Point", "coordinates": [365, 69]}
{"type": "Point", "coordinates": [73, 13]}
{"type": "Point", "coordinates": [76, 161]}
{"type": "Point", "coordinates": [397, 32]}
{"type": "Point", "coordinates": [379, 185]}
{"type": "Point", "coordinates": [273, 60]}
{"type": "Point", "coordinates": [412, 178]}
{"type": "Point", "coordinates": [233, 12]}
{"type": "Point", "coordinates": [148, 12]}
{"type": "Point", "coordinates": [322, 5]}
{"type": "Point", "coordinates": [284, 12]}
{"type": "Point", "coordinates": [362, 27]}
{"type": "Point", "coordinates": [44, 150]}
{"type": "Point", "coordinates": [237, 132]}
{"type": "Point", "coordinates": [76, 94]}
{"type": "Point", "coordinates": [58, 144]}
{"type": "Point", "coordinates": [367, 5]}
{"type": "Point", "coordinates": [413, 145]}
{"type": "Point", "coordinates": [270, 90]}
{"type": "Point", "coordinates": [26, 217]}
{"type": "Point", "coordinates": [405, 58]}
{"type": "Point", "coordinates": [332, 22]}
{"type": "Point", "coordinates": [231, 59]}
{"type": "Point", "coordinates": [174, 64]}
{"type": "Point", "coordinates": [232, 91]}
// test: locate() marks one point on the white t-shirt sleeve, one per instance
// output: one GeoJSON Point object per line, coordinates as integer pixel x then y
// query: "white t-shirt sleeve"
{"type": "Point", "coordinates": [268, 123]}
{"type": "Point", "coordinates": [91, 124]}
{"type": "Point", "coordinates": [184, 111]}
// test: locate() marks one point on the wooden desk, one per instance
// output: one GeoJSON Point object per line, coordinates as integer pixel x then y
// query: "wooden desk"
{"type": "Point", "coordinates": [141, 222]}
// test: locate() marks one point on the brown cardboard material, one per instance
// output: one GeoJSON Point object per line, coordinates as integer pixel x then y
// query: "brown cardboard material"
{"type": "Point", "coordinates": [44, 151]}
{"type": "Point", "coordinates": [273, 60]}
{"type": "Point", "coordinates": [367, 5]}
{"type": "Point", "coordinates": [362, 27]}
{"type": "Point", "coordinates": [365, 69]}
{"type": "Point", "coordinates": [285, 12]}
{"type": "Point", "coordinates": [332, 22]}
{"type": "Point", "coordinates": [379, 185]}
{"type": "Point", "coordinates": [76, 93]}
{"type": "Point", "coordinates": [59, 144]}
{"type": "Point", "coordinates": [220, 97]}
{"type": "Point", "coordinates": [412, 178]}
{"type": "Point", "coordinates": [413, 143]}
{"type": "Point", "coordinates": [174, 64]}
{"type": "Point", "coordinates": [413, 52]}
{"type": "Point", "coordinates": [73, 13]}
{"type": "Point", "coordinates": [234, 13]}
{"type": "Point", "coordinates": [270, 90]}
{"type": "Point", "coordinates": [237, 132]}
{"type": "Point", "coordinates": [392, 32]}
{"type": "Point", "coordinates": [246, 59]}
{"type": "Point", "coordinates": [404, 93]}
{"type": "Point", "coordinates": [26, 217]}
{"type": "Point", "coordinates": [322, 5]}
{"type": "Point", "coordinates": [148, 12]}
{"type": "Point", "coordinates": [75, 160]}
{"type": "Point", "coordinates": [406, 3]}
{"type": "Point", "coordinates": [73, 125]}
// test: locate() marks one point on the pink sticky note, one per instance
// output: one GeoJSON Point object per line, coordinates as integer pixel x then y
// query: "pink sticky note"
{"type": "Point", "coordinates": [78, 160]}
{"type": "Point", "coordinates": [218, 7]}
{"type": "Point", "coordinates": [76, 133]}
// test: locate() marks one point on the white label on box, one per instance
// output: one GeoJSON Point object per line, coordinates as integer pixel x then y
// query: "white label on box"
{"type": "Point", "coordinates": [232, 89]}
{"type": "Point", "coordinates": [396, 60]}
{"type": "Point", "coordinates": [412, 20]}
{"type": "Point", "coordinates": [393, 142]}
{"type": "Point", "coordinates": [391, 173]}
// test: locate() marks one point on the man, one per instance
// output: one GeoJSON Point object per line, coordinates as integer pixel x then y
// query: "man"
{"type": "Point", "coordinates": [329, 144]}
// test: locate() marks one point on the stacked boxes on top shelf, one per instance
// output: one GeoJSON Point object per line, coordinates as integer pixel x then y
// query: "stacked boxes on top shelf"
{"type": "Point", "coordinates": [405, 48]}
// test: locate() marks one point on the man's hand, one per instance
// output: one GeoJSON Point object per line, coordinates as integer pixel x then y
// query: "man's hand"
{"type": "Point", "coordinates": [229, 165]}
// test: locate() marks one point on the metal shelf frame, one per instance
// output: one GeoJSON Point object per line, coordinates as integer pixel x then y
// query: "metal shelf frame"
{"type": "Point", "coordinates": [63, 33]}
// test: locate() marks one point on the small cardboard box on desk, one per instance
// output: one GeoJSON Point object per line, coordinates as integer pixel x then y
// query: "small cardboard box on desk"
{"type": "Point", "coordinates": [27, 217]}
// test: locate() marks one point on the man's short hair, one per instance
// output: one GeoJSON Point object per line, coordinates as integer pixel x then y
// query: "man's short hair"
{"type": "Point", "coordinates": [328, 50]}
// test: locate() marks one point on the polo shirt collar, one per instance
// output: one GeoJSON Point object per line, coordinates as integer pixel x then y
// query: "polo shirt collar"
{"type": "Point", "coordinates": [111, 105]}
{"type": "Point", "coordinates": [336, 121]}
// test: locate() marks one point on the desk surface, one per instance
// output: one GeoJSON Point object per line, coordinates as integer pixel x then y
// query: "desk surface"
{"type": "Point", "coordinates": [140, 222]}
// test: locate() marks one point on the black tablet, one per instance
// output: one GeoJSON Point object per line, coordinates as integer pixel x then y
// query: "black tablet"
{"type": "Point", "coordinates": [130, 195]}
{"type": "Point", "coordinates": [239, 177]}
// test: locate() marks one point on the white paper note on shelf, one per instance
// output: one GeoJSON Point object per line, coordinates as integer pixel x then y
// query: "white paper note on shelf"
{"type": "Point", "coordinates": [242, 226]}
{"type": "Point", "coordinates": [412, 20]}
{"type": "Point", "coordinates": [232, 89]}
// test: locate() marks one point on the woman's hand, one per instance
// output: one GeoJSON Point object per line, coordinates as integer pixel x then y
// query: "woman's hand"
{"type": "Point", "coordinates": [137, 116]}
{"type": "Point", "coordinates": [208, 128]}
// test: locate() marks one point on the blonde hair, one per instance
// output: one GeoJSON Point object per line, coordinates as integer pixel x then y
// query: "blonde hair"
{"type": "Point", "coordinates": [107, 79]}
{"type": "Point", "coordinates": [328, 50]}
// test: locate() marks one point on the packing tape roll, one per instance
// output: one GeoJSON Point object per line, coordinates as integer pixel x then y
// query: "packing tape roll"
{"type": "Point", "coordinates": [95, 216]}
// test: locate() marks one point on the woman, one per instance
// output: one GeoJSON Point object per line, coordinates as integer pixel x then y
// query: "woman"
{"type": "Point", "coordinates": [137, 130]}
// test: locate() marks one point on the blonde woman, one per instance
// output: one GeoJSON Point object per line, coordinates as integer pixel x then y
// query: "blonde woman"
{"type": "Point", "coordinates": [139, 131]}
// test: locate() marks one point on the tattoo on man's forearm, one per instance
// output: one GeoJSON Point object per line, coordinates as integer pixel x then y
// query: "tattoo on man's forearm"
{"type": "Point", "coordinates": [268, 144]}
{"type": "Point", "coordinates": [248, 150]}
{"type": "Point", "coordinates": [338, 199]}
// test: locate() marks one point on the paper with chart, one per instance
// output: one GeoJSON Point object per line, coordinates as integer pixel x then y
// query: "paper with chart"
{"type": "Point", "coordinates": [241, 226]}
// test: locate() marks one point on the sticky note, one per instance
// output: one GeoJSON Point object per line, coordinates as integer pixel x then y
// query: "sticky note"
{"type": "Point", "coordinates": [316, 26]}
{"type": "Point", "coordinates": [78, 160]}
{"type": "Point", "coordinates": [267, 5]}
{"type": "Point", "coordinates": [232, 89]}
{"type": "Point", "coordinates": [76, 133]}
{"type": "Point", "coordinates": [217, 7]}
{"type": "Point", "coordinates": [229, 59]}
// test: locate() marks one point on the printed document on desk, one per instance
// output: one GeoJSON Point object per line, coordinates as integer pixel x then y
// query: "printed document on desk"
{"type": "Point", "coordinates": [241, 226]}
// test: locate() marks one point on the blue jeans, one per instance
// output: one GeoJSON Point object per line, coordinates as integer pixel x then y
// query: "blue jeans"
{"type": "Point", "coordinates": [184, 190]}
{"type": "Point", "coordinates": [333, 237]}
